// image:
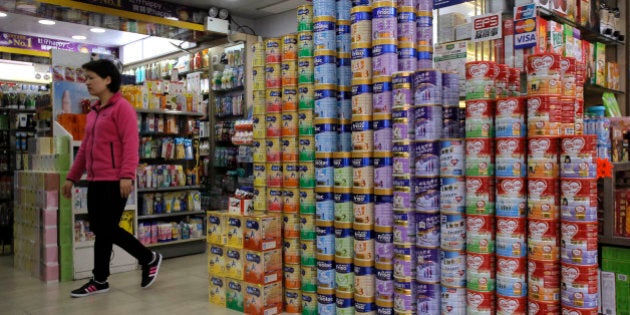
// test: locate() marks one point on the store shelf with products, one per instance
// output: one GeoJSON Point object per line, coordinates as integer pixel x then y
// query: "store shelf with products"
{"type": "Point", "coordinates": [616, 210]}
{"type": "Point", "coordinates": [587, 33]}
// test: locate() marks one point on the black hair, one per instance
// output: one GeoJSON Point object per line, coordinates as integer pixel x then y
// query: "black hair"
{"type": "Point", "coordinates": [105, 68]}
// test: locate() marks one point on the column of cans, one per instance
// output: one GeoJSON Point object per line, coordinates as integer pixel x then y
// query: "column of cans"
{"type": "Point", "coordinates": [407, 35]}
{"type": "Point", "coordinates": [511, 195]}
{"type": "Point", "coordinates": [403, 184]}
{"type": "Point", "coordinates": [259, 126]}
{"type": "Point", "coordinates": [384, 64]}
{"type": "Point", "coordinates": [290, 169]}
{"type": "Point", "coordinates": [578, 252]}
{"type": "Point", "coordinates": [480, 186]}
{"type": "Point", "coordinates": [544, 112]}
{"type": "Point", "coordinates": [452, 206]}
{"type": "Point", "coordinates": [424, 33]}
{"type": "Point", "coordinates": [342, 190]}
{"type": "Point", "coordinates": [511, 205]}
{"type": "Point", "coordinates": [306, 158]}
{"type": "Point", "coordinates": [361, 158]}
{"type": "Point", "coordinates": [326, 121]}
{"type": "Point", "coordinates": [427, 126]}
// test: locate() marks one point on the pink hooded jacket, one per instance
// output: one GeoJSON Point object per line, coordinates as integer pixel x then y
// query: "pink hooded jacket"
{"type": "Point", "coordinates": [109, 151]}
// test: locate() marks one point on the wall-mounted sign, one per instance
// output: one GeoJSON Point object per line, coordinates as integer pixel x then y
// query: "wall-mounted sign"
{"type": "Point", "coordinates": [28, 42]}
{"type": "Point", "coordinates": [486, 27]}
{"type": "Point", "coordinates": [525, 26]}
{"type": "Point", "coordinates": [155, 8]}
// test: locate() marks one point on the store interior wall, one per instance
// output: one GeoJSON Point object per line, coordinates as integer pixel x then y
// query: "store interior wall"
{"type": "Point", "coordinates": [277, 24]}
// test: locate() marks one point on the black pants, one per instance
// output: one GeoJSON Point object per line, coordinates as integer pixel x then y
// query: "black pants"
{"type": "Point", "coordinates": [105, 208]}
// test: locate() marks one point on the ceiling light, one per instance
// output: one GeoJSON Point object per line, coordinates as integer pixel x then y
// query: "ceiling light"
{"type": "Point", "coordinates": [2, 14]}
{"type": "Point", "coordinates": [97, 30]}
{"type": "Point", "coordinates": [47, 22]}
{"type": "Point", "coordinates": [79, 37]}
{"type": "Point", "coordinates": [172, 18]}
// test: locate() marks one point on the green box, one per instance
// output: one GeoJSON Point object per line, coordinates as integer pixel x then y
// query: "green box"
{"type": "Point", "coordinates": [622, 287]}
{"type": "Point", "coordinates": [600, 64]}
{"type": "Point", "coordinates": [234, 295]}
{"type": "Point", "coordinates": [615, 253]}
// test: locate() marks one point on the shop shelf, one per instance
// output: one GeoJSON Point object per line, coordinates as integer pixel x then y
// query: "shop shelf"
{"type": "Point", "coordinates": [17, 110]}
{"type": "Point", "coordinates": [238, 88]}
{"type": "Point", "coordinates": [168, 215]}
{"type": "Point", "coordinates": [174, 188]}
{"type": "Point", "coordinates": [168, 112]}
{"type": "Point", "coordinates": [190, 240]}
{"type": "Point", "coordinates": [600, 89]}
{"type": "Point", "coordinates": [615, 241]}
{"type": "Point", "coordinates": [586, 33]}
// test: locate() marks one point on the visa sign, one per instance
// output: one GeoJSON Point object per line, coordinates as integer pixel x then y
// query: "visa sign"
{"type": "Point", "coordinates": [525, 26]}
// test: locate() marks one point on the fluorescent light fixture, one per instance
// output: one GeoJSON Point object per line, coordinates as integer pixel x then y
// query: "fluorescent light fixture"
{"type": "Point", "coordinates": [2, 14]}
{"type": "Point", "coordinates": [97, 30]}
{"type": "Point", "coordinates": [79, 37]}
{"type": "Point", "coordinates": [172, 18]}
{"type": "Point", "coordinates": [281, 6]}
{"type": "Point", "coordinates": [47, 22]}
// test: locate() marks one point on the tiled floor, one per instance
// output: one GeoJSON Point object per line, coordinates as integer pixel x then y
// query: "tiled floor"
{"type": "Point", "coordinates": [182, 288]}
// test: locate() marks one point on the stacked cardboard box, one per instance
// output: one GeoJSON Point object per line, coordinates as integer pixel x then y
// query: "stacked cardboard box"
{"type": "Point", "coordinates": [615, 282]}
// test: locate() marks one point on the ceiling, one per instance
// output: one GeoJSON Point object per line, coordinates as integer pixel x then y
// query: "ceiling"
{"type": "Point", "coordinates": [251, 9]}
{"type": "Point", "coordinates": [28, 25]}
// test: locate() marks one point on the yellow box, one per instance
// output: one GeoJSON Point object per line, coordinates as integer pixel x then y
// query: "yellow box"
{"type": "Point", "coordinates": [263, 299]}
{"type": "Point", "coordinates": [216, 227]}
{"type": "Point", "coordinates": [263, 232]}
{"type": "Point", "coordinates": [234, 263]}
{"type": "Point", "coordinates": [216, 260]}
{"type": "Point", "coordinates": [234, 231]}
{"type": "Point", "coordinates": [216, 291]}
{"type": "Point", "coordinates": [263, 267]}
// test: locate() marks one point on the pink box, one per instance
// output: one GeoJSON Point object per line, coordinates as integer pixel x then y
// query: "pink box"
{"type": "Point", "coordinates": [50, 254]}
{"type": "Point", "coordinates": [52, 199]}
{"type": "Point", "coordinates": [49, 217]}
{"type": "Point", "coordinates": [49, 235]}
{"type": "Point", "coordinates": [49, 272]}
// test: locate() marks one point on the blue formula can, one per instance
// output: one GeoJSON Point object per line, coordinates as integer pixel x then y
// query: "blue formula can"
{"type": "Point", "coordinates": [428, 201]}
{"type": "Point", "coordinates": [384, 59]}
{"type": "Point", "coordinates": [326, 274]}
{"type": "Point", "coordinates": [344, 103]}
{"type": "Point", "coordinates": [343, 10]}
{"type": "Point", "coordinates": [428, 227]}
{"type": "Point", "coordinates": [427, 85]}
{"type": "Point", "coordinates": [428, 270]}
{"type": "Point", "coordinates": [325, 206]}
{"type": "Point", "coordinates": [407, 57]}
{"type": "Point", "coordinates": [383, 165]}
{"type": "Point", "coordinates": [382, 95]}
{"type": "Point", "coordinates": [382, 126]}
{"type": "Point", "coordinates": [324, 171]}
{"type": "Point", "coordinates": [453, 268]}
{"type": "Point", "coordinates": [344, 72]}
{"type": "Point", "coordinates": [324, 8]}
{"type": "Point", "coordinates": [452, 157]}
{"type": "Point", "coordinates": [514, 247]}
{"type": "Point", "coordinates": [326, 302]}
{"type": "Point", "coordinates": [364, 306]}
{"type": "Point", "coordinates": [453, 300]}
{"type": "Point", "coordinates": [452, 195]}
{"type": "Point", "coordinates": [451, 122]}
{"type": "Point", "coordinates": [453, 231]}
{"type": "Point", "coordinates": [326, 136]}
{"type": "Point", "coordinates": [428, 122]}
{"type": "Point", "coordinates": [325, 241]}
{"type": "Point", "coordinates": [324, 33]}
{"type": "Point", "coordinates": [358, 3]}
{"type": "Point", "coordinates": [344, 143]}
{"type": "Point", "coordinates": [326, 103]}
{"type": "Point", "coordinates": [325, 67]}
{"type": "Point", "coordinates": [427, 158]}
{"type": "Point", "coordinates": [428, 298]}
{"type": "Point", "coordinates": [343, 35]}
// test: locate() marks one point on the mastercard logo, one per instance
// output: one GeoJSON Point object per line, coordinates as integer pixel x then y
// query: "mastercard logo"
{"type": "Point", "coordinates": [528, 25]}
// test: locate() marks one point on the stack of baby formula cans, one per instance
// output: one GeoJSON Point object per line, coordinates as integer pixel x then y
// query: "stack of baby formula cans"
{"type": "Point", "coordinates": [511, 205]}
{"type": "Point", "coordinates": [407, 56]}
{"type": "Point", "coordinates": [480, 186]}
{"type": "Point", "coordinates": [544, 127]}
{"type": "Point", "coordinates": [424, 33]}
{"type": "Point", "coordinates": [259, 126]}
{"type": "Point", "coordinates": [578, 185]}
{"type": "Point", "coordinates": [326, 120]}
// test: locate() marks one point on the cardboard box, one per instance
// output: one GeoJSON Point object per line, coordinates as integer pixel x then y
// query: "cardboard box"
{"type": "Point", "coordinates": [235, 228]}
{"type": "Point", "coordinates": [584, 13]}
{"type": "Point", "coordinates": [216, 291]}
{"type": "Point", "coordinates": [541, 27]}
{"type": "Point", "coordinates": [263, 232]}
{"type": "Point", "coordinates": [622, 289]}
{"type": "Point", "coordinates": [234, 298]}
{"type": "Point", "coordinates": [234, 263]}
{"type": "Point", "coordinates": [450, 20]}
{"type": "Point", "coordinates": [556, 37]}
{"type": "Point", "coordinates": [608, 302]}
{"type": "Point", "coordinates": [464, 31]}
{"type": "Point", "coordinates": [216, 228]}
{"type": "Point", "coordinates": [612, 76]}
{"type": "Point", "coordinates": [263, 300]}
{"type": "Point", "coordinates": [446, 34]}
{"type": "Point", "coordinates": [600, 64]}
{"type": "Point", "coordinates": [263, 267]}
{"type": "Point", "coordinates": [216, 260]}
{"type": "Point", "coordinates": [240, 206]}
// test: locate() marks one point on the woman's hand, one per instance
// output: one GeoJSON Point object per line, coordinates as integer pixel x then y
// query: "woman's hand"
{"type": "Point", "coordinates": [126, 186]}
{"type": "Point", "coordinates": [66, 190]}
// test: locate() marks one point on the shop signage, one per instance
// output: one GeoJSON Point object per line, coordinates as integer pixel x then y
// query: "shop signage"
{"type": "Point", "coordinates": [525, 26]}
{"type": "Point", "coordinates": [154, 8]}
{"type": "Point", "coordinates": [486, 27]}
{"type": "Point", "coordinates": [20, 41]}
{"type": "Point", "coordinates": [439, 4]}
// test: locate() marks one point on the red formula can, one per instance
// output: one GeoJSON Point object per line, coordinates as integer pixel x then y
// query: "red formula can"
{"type": "Point", "coordinates": [543, 198]}
{"type": "Point", "coordinates": [479, 157]}
{"type": "Point", "coordinates": [510, 157]}
{"type": "Point", "coordinates": [512, 267]}
{"type": "Point", "coordinates": [481, 264]}
{"type": "Point", "coordinates": [511, 305]}
{"type": "Point", "coordinates": [543, 230]}
{"type": "Point", "coordinates": [511, 107]}
{"type": "Point", "coordinates": [480, 195]}
{"type": "Point", "coordinates": [543, 63]}
{"type": "Point", "coordinates": [479, 224]}
{"type": "Point", "coordinates": [480, 302]}
{"type": "Point", "coordinates": [513, 187]}
{"type": "Point", "coordinates": [579, 147]}
{"type": "Point", "coordinates": [510, 227]}
{"type": "Point", "coordinates": [543, 148]}
{"type": "Point", "coordinates": [578, 311]}
{"type": "Point", "coordinates": [479, 109]}
{"type": "Point", "coordinates": [542, 308]}
{"type": "Point", "coordinates": [476, 70]}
